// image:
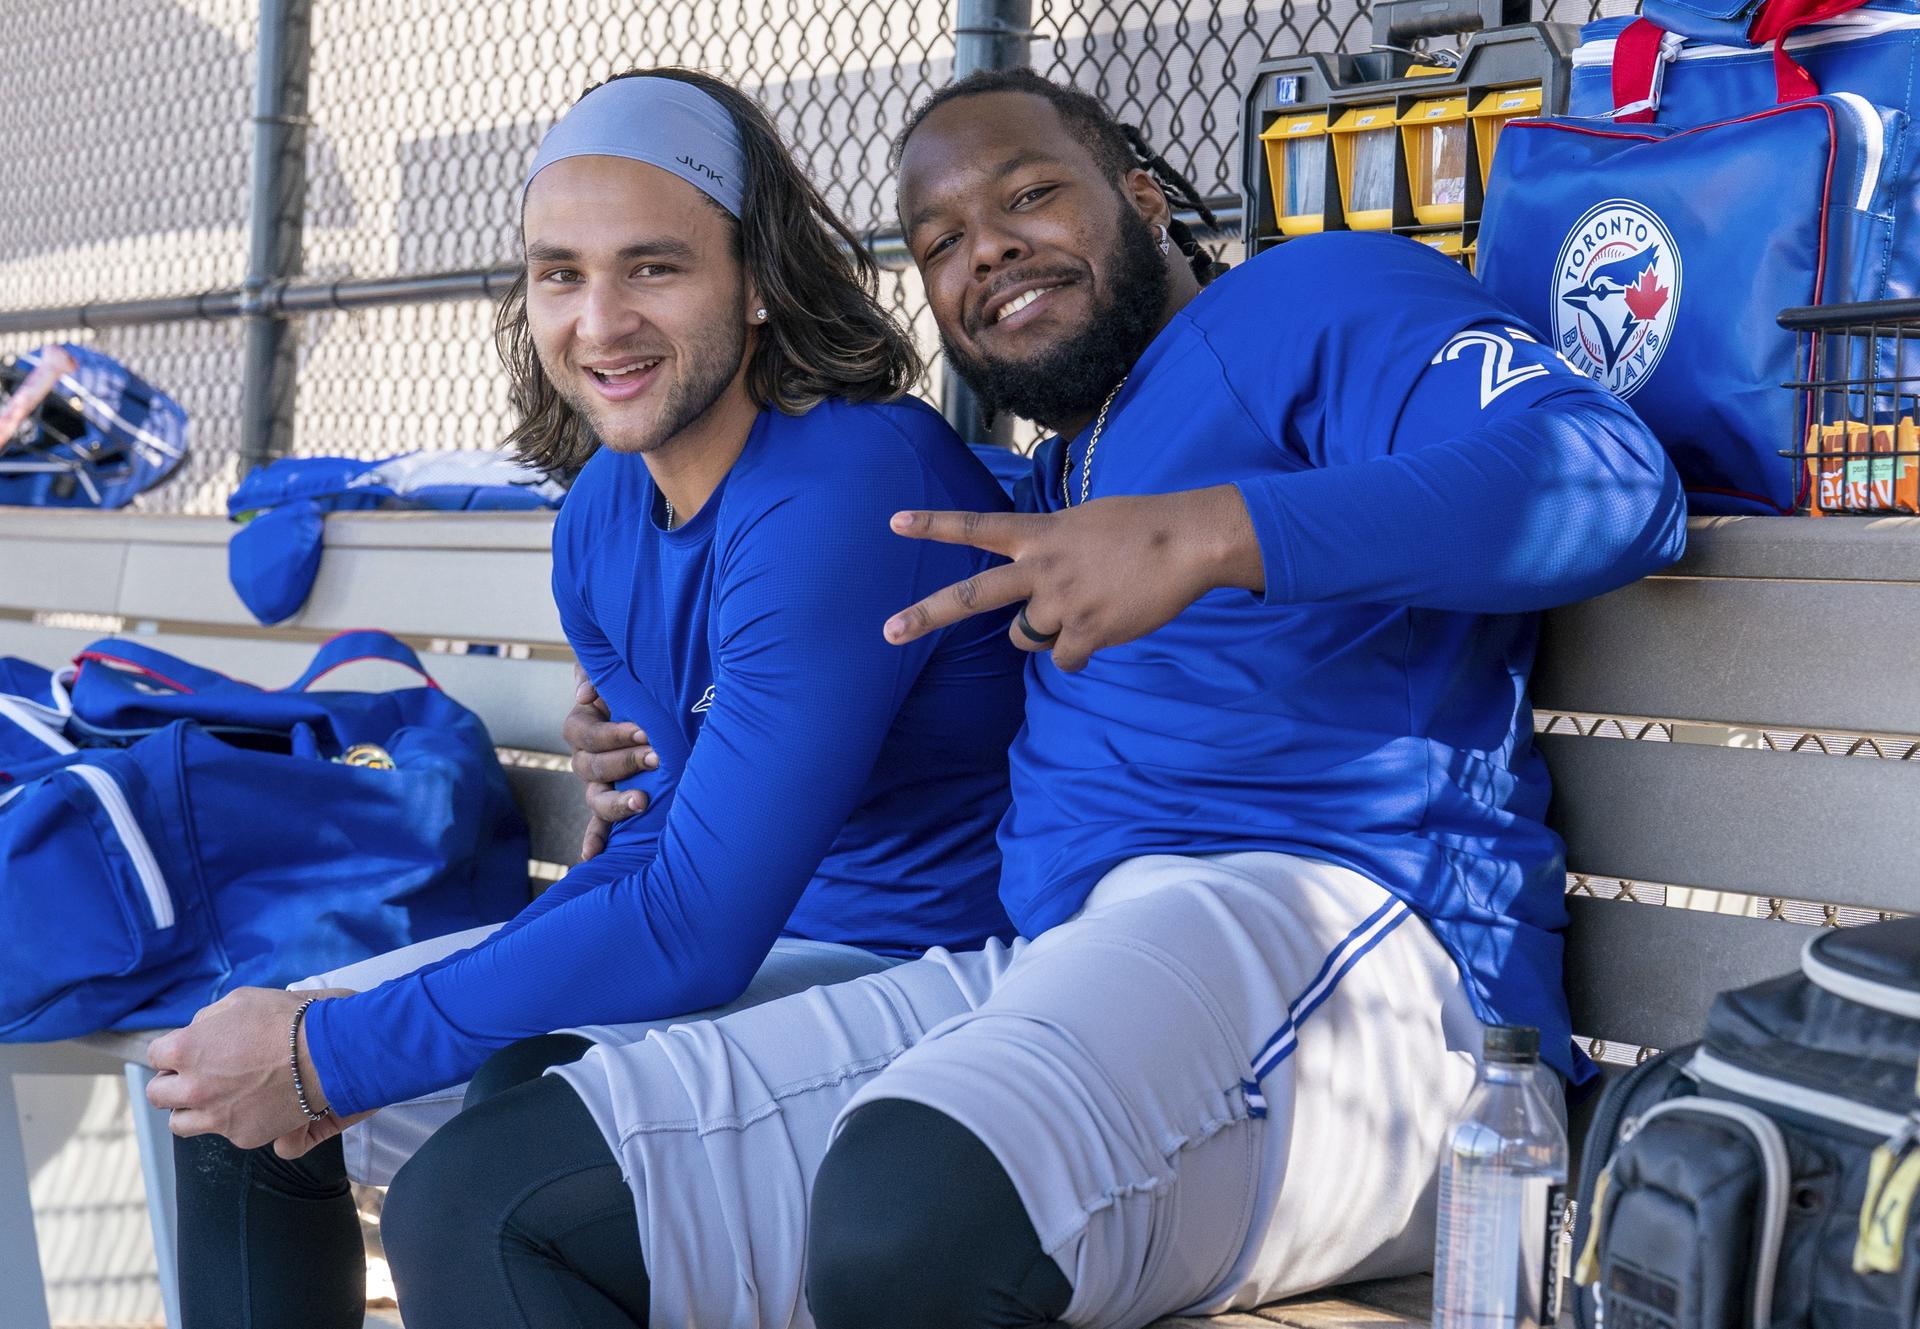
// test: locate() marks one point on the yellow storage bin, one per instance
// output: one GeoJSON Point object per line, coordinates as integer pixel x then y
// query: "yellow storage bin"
{"type": "Point", "coordinates": [1449, 243]}
{"type": "Point", "coordinates": [1364, 148]}
{"type": "Point", "coordinates": [1490, 116]}
{"type": "Point", "coordinates": [1435, 132]}
{"type": "Point", "coordinates": [1296, 148]}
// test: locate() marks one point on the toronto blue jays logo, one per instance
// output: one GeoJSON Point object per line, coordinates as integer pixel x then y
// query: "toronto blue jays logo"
{"type": "Point", "coordinates": [1616, 289]}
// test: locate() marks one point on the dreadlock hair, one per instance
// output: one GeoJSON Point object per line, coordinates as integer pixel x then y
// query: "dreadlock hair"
{"type": "Point", "coordinates": [1116, 147]}
{"type": "Point", "coordinates": [825, 334]}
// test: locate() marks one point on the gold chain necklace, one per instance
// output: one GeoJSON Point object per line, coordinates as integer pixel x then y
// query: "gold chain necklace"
{"type": "Point", "coordinates": [1086, 464]}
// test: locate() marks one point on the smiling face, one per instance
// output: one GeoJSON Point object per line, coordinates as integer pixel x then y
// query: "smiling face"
{"type": "Point", "coordinates": [637, 305]}
{"type": "Point", "coordinates": [1042, 269]}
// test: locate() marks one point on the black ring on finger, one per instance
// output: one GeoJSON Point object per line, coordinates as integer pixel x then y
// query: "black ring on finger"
{"type": "Point", "coordinates": [1027, 630]}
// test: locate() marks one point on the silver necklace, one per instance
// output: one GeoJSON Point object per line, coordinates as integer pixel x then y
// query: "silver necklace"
{"type": "Point", "coordinates": [669, 503]}
{"type": "Point", "coordinates": [1086, 464]}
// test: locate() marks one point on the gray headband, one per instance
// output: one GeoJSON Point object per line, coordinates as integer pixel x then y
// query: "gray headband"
{"type": "Point", "coordinates": [660, 121]}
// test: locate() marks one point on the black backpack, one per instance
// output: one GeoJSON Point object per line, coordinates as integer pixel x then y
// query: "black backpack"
{"type": "Point", "coordinates": [1767, 1174]}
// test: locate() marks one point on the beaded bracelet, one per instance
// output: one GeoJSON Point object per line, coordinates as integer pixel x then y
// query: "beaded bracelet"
{"type": "Point", "coordinates": [293, 1059]}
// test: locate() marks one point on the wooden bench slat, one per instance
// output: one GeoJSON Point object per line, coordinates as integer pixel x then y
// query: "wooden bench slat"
{"type": "Point", "coordinates": [1789, 548]}
{"type": "Point", "coordinates": [468, 576]}
{"type": "Point", "coordinates": [45, 526]}
{"type": "Point", "coordinates": [522, 701]}
{"type": "Point", "coordinates": [1785, 654]}
{"type": "Point", "coordinates": [1645, 974]}
{"type": "Point", "coordinates": [530, 531]}
{"type": "Point", "coordinates": [40, 575]}
{"type": "Point", "coordinates": [468, 594]}
{"type": "Point", "coordinates": [521, 532]}
{"type": "Point", "coordinates": [75, 1056]}
{"type": "Point", "coordinates": [554, 810]}
{"type": "Point", "coordinates": [1796, 824]}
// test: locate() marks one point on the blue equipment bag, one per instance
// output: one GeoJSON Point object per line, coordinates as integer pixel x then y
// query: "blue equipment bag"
{"type": "Point", "coordinates": [240, 837]}
{"type": "Point", "coordinates": [99, 436]}
{"type": "Point", "coordinates": [1661, 258]}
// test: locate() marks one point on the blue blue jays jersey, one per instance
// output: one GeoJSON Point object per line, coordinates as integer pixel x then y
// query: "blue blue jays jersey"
{"type": "Point", "coordinates": [815, 780]}
{"type": "Point", "coordinates": [1423, 474]}
{"type": "Point", "coordinates": [752, 630]}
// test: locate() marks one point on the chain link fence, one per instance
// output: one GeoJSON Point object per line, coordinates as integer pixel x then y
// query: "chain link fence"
{"type": "Point", "coordinates": [130, 168]}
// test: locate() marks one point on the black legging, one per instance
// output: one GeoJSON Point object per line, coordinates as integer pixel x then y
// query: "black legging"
{"type": "Point", "coordinates": [914, 1222]}
{"type": "Point", "coordinates": [274, 1243]}
{"type": "Point", "coordinates": [516, 1214]}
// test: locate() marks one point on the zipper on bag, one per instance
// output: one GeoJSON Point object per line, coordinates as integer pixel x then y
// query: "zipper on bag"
{"type": "Point", "coordinates": [1606, 1123]}
{"type": "Point", "coordinates": [1772, 1148]}
{"type": "Point", "coordinates": [1893, 1176]}
{"type": "Point", "coordinates": [1873, 134]}
{"type": "Point", "coordinates": [27, 717]}
{"type": "Point", "coordinates": [1868, 1120]}
{"type": "Point", "coordinates": [145, 865]}
{"type": "Point", "coordinates": [1596, 1167]}
{"type": "Point", "coordinates": [1851, 987]}
{"type": "Point", "coordinates": [1840, 28]}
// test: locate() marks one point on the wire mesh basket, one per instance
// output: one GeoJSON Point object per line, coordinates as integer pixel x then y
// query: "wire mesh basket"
{"type": "Point", "coordinates": [1860, 408]}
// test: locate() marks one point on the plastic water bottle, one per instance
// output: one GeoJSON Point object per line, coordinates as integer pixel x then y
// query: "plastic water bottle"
{"type": "Point", "coordinates": [1503, 1182]}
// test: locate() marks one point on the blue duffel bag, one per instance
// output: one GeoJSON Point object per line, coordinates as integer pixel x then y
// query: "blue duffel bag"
{"type": "Point", "coordinates": [231, 836]}
{"type": "Point", "coordinates": [1660, 259]}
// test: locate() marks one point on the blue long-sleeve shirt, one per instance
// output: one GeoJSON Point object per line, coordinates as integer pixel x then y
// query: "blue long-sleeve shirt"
{"type": "Point", "coordinates": [814, 780]}
{"type": "Point", "coordinates": [1422, 474]}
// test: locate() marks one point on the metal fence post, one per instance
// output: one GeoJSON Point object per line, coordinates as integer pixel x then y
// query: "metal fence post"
{"type": "Point", "coordinates": [987, 34]}
{"type": "Point", "coordinates": [279, 189]}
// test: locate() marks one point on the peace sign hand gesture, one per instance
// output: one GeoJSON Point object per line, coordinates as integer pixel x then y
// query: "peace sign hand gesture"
{"type": "Point", "coordinates": [1093, 575]}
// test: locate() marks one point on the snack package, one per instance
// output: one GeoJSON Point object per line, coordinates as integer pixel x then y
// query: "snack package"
{"type": "Point", "coordinates": [1856, 468]}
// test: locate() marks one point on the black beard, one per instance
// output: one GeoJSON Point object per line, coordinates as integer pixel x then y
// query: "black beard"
{"type": "Point", "coordinates": [1072, 377]}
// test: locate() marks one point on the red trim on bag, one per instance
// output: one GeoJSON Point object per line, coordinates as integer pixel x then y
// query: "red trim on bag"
{"type": "Point", "coordinates": [1803, 483]}
{"type": "Point", "coordinates": [383, 659]}
{"type": "Point", "coordinates": [432, 682]}
{"type": "Point", "coordinates": [1636, 58]}
{"type": "Point", "coordinates": [85, 657]}
{"type": "Point", "coordinates": [1777, 19]}
{"type": "Point", "coordinates": [1636, 53]}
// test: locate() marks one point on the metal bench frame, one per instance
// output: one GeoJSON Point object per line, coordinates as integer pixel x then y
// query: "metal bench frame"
{"type": "Point", "coordinates": [1769, 625]}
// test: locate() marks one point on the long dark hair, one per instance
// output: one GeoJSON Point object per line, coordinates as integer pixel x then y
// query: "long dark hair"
{"type": "Point", "coordinates": [1116, 147]}
{"type": "Point", "coordinates": [825, 335]}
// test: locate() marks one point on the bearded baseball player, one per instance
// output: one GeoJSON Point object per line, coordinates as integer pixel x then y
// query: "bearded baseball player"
{"type": "Point", "coordinates": [1276, 850]}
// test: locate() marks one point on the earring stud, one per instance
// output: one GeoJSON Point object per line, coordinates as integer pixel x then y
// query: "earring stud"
{"type": "Point", "coordinates": [760, 314]}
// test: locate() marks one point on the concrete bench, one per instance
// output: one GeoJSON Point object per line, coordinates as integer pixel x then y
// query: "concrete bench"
{"type": "Point", "coordinates": [1713, 734]}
